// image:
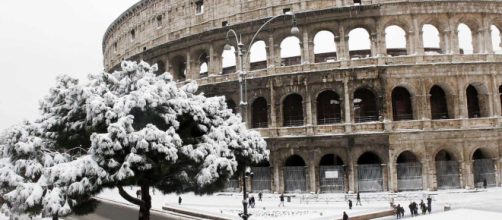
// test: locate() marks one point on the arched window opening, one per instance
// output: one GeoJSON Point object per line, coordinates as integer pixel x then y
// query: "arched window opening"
{"type": "Point", "coordinates": [496, 44]}
{"type": "Point", "coordinates": [409, 172]}
{"type": "Point", "coordinates": [431, 40]}
{"type": "Point", "coordinates": [483, 169]}
{"type": "Point", "coordinates": [500, 97]}
{"type": "Point", "coordinates": [357, 2]}
{"type": "Point", "coordinates": [258, 55]}
{"type": "Point", "coordinates": [401, 104]}
{"type": "Point", "coordinates": [447, 171]}
{"type": "Point", "coordinates": [179, 68]}
{"type": "Point", "coordinates": [473, 102]}
{"type": "Point", "coordinates": [295, 175]}
{"type": "Point", "coordinates": [365, 106]}
{"type": "Point", "coordinates": [395, 40]}
{"type": "Point", "coordinates": [161, 67]}
{"type": "Point", "coordinates": [231, 105]}
{"type": "Point", "coordinates": [439, 107]}
{"type": "Point", "coordinates": [292, 108]}
{"type": "Point", "coordinates": [369, 173]}
{"type": "Point", "coordinates": [328, 108]}
{"type": "Point", "coordinates": [203, 64]}
{"type": "Point", "coordinates": [290, 51]}
{"type": "Point", "coordinates": [359, 43]}
{"type": "Point", "coordinates": [259, 115]}
{"type": "Point", "coordinates": [228, 61]}
{"type": "Point", "coordinates": [465, 39]}
{"type": "Point", "coordinates": [324, 47]}
{"type": "Point", "coordinates": [331, 176]}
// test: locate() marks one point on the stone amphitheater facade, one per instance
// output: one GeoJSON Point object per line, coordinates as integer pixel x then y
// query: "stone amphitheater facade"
{"type": "Point", "coordinates": [379, 119]}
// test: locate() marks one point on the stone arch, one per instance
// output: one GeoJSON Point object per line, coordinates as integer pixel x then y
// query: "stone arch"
{"type": "Point", "coordinates": [395, 37]}
{"type": "Point", "coordinates": [409, 171]}
{"type": "Point", "coordinates": [431, 38]}
{"type": "Point", "coordinates": [447, 170]}
{"type": "Point", "coordinates": [290, 51]}
{"type": "Point", "coordinates": [482, 153]}
{"type": "Point", "coordinates": [483, 166]}
{"type": "Point", "coordinates": [161, 67]}
{"type": "Point", "coordinates": [231, 105]}
{"type": "Point", "coordinates": [438, 102]}
{"type": "Point", "coordinates": [465, 39]}
{"type": "Point", "coordinates": [258, 55]}
{"type": "Point", "coordinates": [369, 157]}
{"type": "Point", "coordinates": [324, 46]}
{"type": "Point", "coordinates": [202, 63]}
{"type": "Point", "coordinates": [402, 108]}
{"type": "Point", "coordinates": [229, 60]}
{"type": "Point", "coordinates": [295, 174]}
{"type": "Point", "coordinates": [495, 33]}
{"type": "Point", "coordinates": [332, 176]}
{"type": "Point", "coordinates": [477, 100]}
{"type": "Point", "coordinates": [328, 106]}
{"type": "Point", "coordinates": [363, 49]}
{"type": "Point", "coordinates": [259, 113]}
{"type": "Point", "coordinates": [369, 172]}
{"type": "Point", "coordinates": [179, 67]}
{"type": "Point", "coordinates": [365, 105]}
{"type": "Point", "coordinates": [292, 110]}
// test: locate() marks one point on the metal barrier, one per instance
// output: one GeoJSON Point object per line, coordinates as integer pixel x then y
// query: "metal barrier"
{"type": "Point", "coordinates": [370, 178]}
{"type": "Point", "coordinates": [295, 179]}
{"type": "Point", "coordinates": [261, 181]}
{"type": "Point", "coordinates": [409, 176]}
{"type": "Point", "coordinates": [331, 179]}
{"type": "Point", "coordinates": [484, 169]}
{"type": "Point", "coordinates": [447, 174]}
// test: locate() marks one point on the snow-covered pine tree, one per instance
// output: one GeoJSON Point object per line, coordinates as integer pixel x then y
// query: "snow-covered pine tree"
{"type": "Point", "coordinates": [139, 128]}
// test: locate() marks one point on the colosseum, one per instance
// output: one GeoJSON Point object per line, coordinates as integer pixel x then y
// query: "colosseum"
{"type": "Point", "coordinates": [362, 116]}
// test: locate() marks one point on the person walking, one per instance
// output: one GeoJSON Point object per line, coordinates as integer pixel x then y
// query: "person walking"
{"type": "Point", "coordinates": [350, 204]}
{"type": "Point", "coordinates": [410, 206]}
{"type": "Point", "coordinates": [345, 216]}
{"type": "Point", "coordinates": [179, 200]}
{"type": "Point", "coordinates": [398, 211]}
{"type": "Point", "coordinates": [429, 204]}
{"type": "Point", "coordinates": [415, 208]}
{"type": "Point", "coordinates": [259, 196]}
{"type": "Point", "coordinates": [281, 198]}
{"type": "Point", "coordinates": [358, 198]}
{"type": "Point", "coordinates": [423, 207]}
{"type": "Point", "coordinates": [251, 202]}
{"type": "Point", "coordinates": [485, 183]}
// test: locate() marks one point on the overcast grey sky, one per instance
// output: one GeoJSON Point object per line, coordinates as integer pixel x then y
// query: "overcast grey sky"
{"type": "Point", "coordinates": [40, 39]}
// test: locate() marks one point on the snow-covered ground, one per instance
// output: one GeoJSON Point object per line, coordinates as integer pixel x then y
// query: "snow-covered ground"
{"type": "Point", "coordinates": [328, 206]}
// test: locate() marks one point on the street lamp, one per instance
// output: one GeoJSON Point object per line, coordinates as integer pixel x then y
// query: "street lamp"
{"type": "Point", "coordinates": [243, 86]}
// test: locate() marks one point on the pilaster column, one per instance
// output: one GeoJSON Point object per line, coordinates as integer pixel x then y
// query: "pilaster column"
{"type": "Point", "coordinates": [495, 96]}
{"type": "Point", "coordinates": [381, 46]}
{"type": "Point", "coordinates": [312, 176]}
{"type": "Point", "coordinates": [468, 174]}
{"type": "Point", "coordinates": [374, 44]}
{"type": "Point", "coordinates": [307, 48]}
{"type": "Point", "coordinates": [392, 175]}
{"type": "Point", "coordinates": [189, 72]}
{"type": "Point", "coordinates": [411, 43]}
{"type": "Point", "coordinates": [445, 43]}
{"type": "Point", "coordinates": [273, 111]}
{"type": "Point", "coordinates": [462, 102]}
{"type": "Point", "coordinates": [386, 179]}
{"type": "Point", "coordinates": [212, 65]}
{"type": "Point", "coordinates": [308, 104]}
{"type": "Point", "coordinates": [339, 48]}
{"type": "Point", "coordinates": [346, 105]}
{"type": "Point", "coordinates": [271, 59]}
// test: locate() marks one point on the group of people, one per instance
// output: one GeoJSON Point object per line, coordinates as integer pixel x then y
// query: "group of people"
{"type": "Point", "coordinates": [252, 201]}
{"type": "Point", "coordinates": [413, 206]}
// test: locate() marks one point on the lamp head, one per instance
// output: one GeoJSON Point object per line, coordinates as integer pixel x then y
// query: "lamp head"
{"type": "Point", "coordinates": [295, 30]}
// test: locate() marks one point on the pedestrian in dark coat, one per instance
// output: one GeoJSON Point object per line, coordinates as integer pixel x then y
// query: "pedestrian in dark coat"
{"type": "Point", "coordinates": [138, 194]}
{"type": "Point", "coordinates": [358, 199]}
{"type": "Point", "coordinates": [281, 198]}
{"type": "Point", "coordinates": [398, 211]}
{"type": "Point", "coordinates": [429, 204]}
{"type": "Point", "coordinates": [410, 206]}
{"type": "Point", "coordinates": [179, 200]}
{"type": "Point", "coordinates": [251, 202]}
{"type": "Point", "coordinates": [415, 208]}
{"type": "Point", "coordinates": [485, 183]}
{"type": "Point", "coordinates": [350, 204]}
{"type": "Point", "coordinates": [345, 216]}
{"type": "Point", "coordinates": [259, 196]}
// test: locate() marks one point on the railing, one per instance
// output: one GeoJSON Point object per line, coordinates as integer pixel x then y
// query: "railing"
{"type": "Point", "coordinates": [260, 124]}
{"type": "Point", "coordinates": [325, 121]}
{"type": "Point", "coordinates": [290, 61]}
{"type": "Point", "coordinates": [258, 65]}
{"type": "Point", "coordinates": [359, 54]}
{"type": "Point", "coordinates": [362, 119]}
{"type": "Point", "coordinates": [293, 122]}
{"type": "Point", "coordinates": [228, 70]}
{"type": "Point", "coordinates": [394, 52]}
{"type": "Point", "coordinates": [325, 57]}
{"type": "Point", "coordinates": [402, 117]}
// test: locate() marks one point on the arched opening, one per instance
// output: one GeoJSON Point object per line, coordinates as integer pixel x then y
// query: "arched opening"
{"type": "Point", "coordinates": [161, 67]}
{"type": "Point", "coordinates": [179, 68]}
{"type": "Point", "coordinates": [203, 64]}
{"type": "Point", "coordinates": [496, 41]}
{"type": "Point", "coordinates": [328, 108]}
{"type": "Point", "coordinates": [231, 105]}
{"type": "Point", "coordinates": [258, 55]}
{"type": "Point", "coordinates": [439, 107]}
{"type": "Point", "coordinates": [228, 61]}
{"type": "Point", "coordinates": [331, 176]}
{"type": "Point", "coordinates": [365, 106]}
{"type": "Point", "coordinates": [484, 168]}
{"type": "Point", "coordinates": [500, 97]}
{"type": "Point", "coordinates": [259, 115]}
{"type": "Point", "coordinates": [395, 41]}
{"type": "Point", "coordinates": [464, 39]}
{"type": "Point", "coordinates": [369, 173]}
{"type": "Point", "coordinates": [473, 102]}
{"type": "Point", "coordinates": [292, 109]}
{"type": "Point", "coordinates": [447, 171]}
{"type": "Point", "coordinates": [359, 43]}
{"type": "Point", "coordinates": [431, 40]}
{"type": "Point", "coordinates": [324, 47]}
{"type": "Point", "coordinates": [261, 181]}
{"type": "Point", "coordinates": [401, 104]}
{"type": "Point", "coordinates": [290, 51]}
{"type": "Point", "coordinates": [295, 175]}
{"type": "Point", "coordinates": [409, 172]}
{"type": "Point", "coordinates": [357, 2]}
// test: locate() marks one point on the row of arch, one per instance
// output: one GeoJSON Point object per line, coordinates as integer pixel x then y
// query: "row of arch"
{"type": "Point", "coordinates": [360, 42]}
{"type": "Point", "coordinates": [365, 106]}
{"type": "Point", "coordinates": [333, 172]}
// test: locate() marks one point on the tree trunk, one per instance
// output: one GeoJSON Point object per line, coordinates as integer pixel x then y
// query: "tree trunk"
{"type": "Point", "coordinates": [144, 209]}
{"type": "Point", "coordinates": [55, 217]}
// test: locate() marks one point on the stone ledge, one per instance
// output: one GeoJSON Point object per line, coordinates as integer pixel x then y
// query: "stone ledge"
{"type": "Point", "coordinates": [372, 215]}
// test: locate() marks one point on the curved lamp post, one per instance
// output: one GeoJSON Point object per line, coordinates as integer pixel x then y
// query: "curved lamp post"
{"type": "Point", "coordinates": [243, 88]}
